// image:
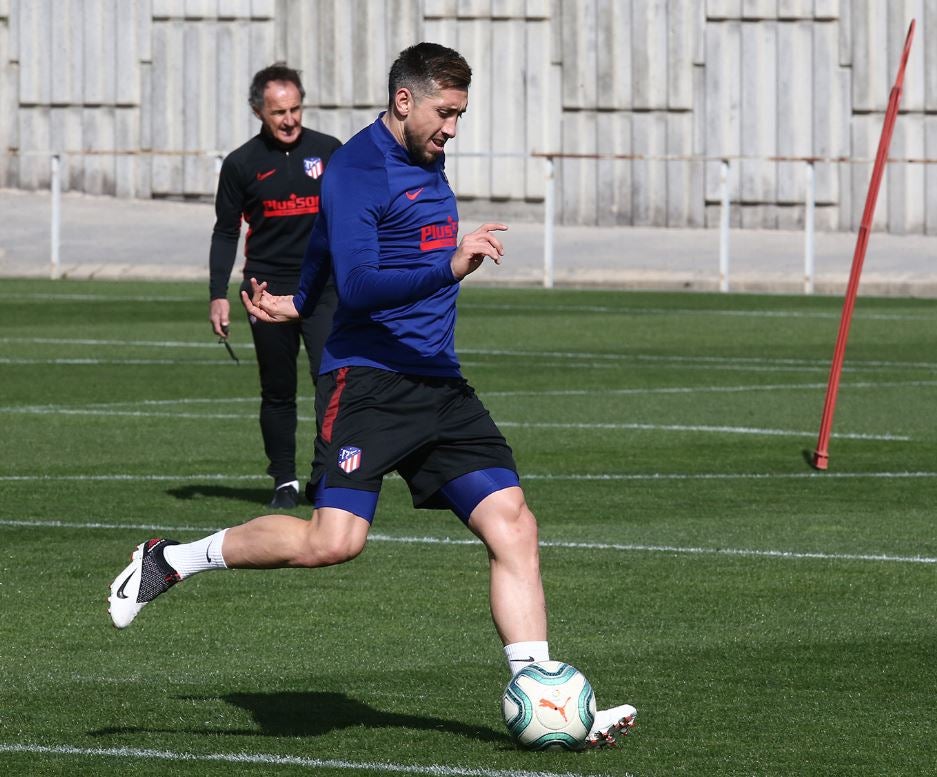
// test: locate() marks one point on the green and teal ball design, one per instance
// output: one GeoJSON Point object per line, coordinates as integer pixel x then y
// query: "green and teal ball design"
{"type": "Point", "coordinates": [549, 706]}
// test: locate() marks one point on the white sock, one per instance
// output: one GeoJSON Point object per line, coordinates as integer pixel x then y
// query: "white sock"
{"type": "Point", "coordinates": [521, 654]}
{"type": "Point", "coordinates": [199, 556]}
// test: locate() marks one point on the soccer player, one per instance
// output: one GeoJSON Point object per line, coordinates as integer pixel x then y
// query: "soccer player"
{"type": "Point", "coordinates": [391, 396]}
{"type": "Point", "coordinates": [274, 182]}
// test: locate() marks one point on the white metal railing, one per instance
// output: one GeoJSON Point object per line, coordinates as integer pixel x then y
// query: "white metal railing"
{"type": "Point", "coordinates": [725, 202]}
{"type": "Point", "coordinates": [549, 200]}
{"type": "Point", "coordinates": [55, 189]}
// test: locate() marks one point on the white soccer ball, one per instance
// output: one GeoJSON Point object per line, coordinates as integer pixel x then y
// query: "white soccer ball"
{"type": "Point", "coordinates": [549, 706]}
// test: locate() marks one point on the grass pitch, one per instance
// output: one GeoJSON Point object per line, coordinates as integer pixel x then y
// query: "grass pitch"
{"type": "Point", "coordinates": [764, 618]}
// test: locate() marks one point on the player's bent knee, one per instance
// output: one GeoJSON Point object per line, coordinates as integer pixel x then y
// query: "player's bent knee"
{"type": "Point", "coordinates": [504, 520]}
{"type": "Point", "coordinates": [333, 538]}
{"type": "Point", "coordinates": [524, 526]}
{"type": "Point", "coordinates": [326, 552]}
{"type": "Point", "coordinates": [337, 553]}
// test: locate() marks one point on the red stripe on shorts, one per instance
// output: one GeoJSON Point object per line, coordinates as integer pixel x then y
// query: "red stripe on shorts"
{"type": "Point", "coordinates": [332, 410]}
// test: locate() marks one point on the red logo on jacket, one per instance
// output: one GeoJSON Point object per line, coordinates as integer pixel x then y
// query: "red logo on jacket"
{"type": "Point", "coordinates": [435, 236]}
{"type": "Point", "coordinates": [294, 206]}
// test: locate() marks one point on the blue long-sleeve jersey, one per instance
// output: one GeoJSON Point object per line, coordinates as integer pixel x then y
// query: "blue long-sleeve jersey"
{"type": "Point", "coordinates": [387, 228]}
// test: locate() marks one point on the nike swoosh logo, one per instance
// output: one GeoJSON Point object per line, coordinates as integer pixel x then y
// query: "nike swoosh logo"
{"type": "Point", "coordinates": [529, 659]}
{"type": "Point", "coordinates": [262, 176]}
{"type": "Point", "coordinates": [120, 591]}
{"type": "Point", "coordinates": [413, 195]}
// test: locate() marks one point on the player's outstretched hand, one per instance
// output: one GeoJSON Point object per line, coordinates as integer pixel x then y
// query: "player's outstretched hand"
{"type": "Point", "coordinates": [473, 249]}
{"type": "Point", "coordinates": [272, 308]}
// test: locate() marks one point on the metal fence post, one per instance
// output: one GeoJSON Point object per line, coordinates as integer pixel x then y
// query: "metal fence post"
{"type": "Point", "coordinates": [55, 237]}
{"type": "Point", "coordinates": [549, 212]}
{"type": "Point", "coordinates": [724, 227]}
{"type": "Point", "coordinates": [809, 230]}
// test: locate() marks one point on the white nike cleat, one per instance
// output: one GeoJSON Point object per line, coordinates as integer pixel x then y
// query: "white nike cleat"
{"type": "Point", "coordinates": [611, 724]}
{"type": "Point", "coordinates": [146, 577]}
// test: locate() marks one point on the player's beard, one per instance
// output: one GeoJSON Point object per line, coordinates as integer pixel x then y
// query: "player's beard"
{"type": "Point", "coordinates": [417, 149]}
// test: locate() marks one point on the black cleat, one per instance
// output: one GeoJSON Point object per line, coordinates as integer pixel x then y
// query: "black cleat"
{"type": "Point", "coordinates": [285, 498]}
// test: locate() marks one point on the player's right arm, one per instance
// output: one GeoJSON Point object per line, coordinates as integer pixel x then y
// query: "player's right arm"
{"type": "Point", "coordinates": [229, 203]}
{"type": "Point", "coordinates": [314, 276]}
{"type": "Point", "coordinates": [272, 308]}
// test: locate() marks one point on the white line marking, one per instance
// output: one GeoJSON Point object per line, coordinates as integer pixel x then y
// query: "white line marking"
{"type": "Point", "coordinates": [122, 343]}
{"type": "Point", "coordinates": [694, 551]}
{"type": "Point", "coordinates": [138, 478]}
{"type": "Point", "coordinates": [642, 427]}
{"type": "Point", "coordinates": [466, 304]}
{"type": "Point", "coordinates": [722, 366]}
{"type": "Point", "coordinates": [625, 311]}
{"type": "Point", "coordinates": [711, 360]}
{"type": "Point", "coordinates": [179, 401]}
{"type": "Point", "coordinates": [435, 770]}
{"type": "Point", "coordinates": [752, 362]}
{"type": "Point", "coordinates": [103, 297]}
{"type": "Point", "coordinates": [743, 389]}
{"type": "Point", "coordinates": [738, 389]}
{"type": "Point", "coordinates": [90, 411]}
{"type": "Point", "coordinates": [643, 390]}
{"type": "Point", "coordinates": [731, 476]}
{"type": "Point", "coordinates": [697, 428]}
{"type": "Point", "coordinates": [223, 360]}
{"type": "Point", "coordinates": [97, 525]}
{"type": "Point", "coordinates": [597, 476]}
{"type": "Point", "coordinates": [609, 546]}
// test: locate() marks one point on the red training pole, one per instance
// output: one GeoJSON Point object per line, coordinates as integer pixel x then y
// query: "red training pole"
{"type": "Point", "coordinates": [820, 456]}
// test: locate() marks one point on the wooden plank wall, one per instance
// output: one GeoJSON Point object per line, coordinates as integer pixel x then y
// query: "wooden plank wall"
{"type": "Point", "coordinates": [676, 84]}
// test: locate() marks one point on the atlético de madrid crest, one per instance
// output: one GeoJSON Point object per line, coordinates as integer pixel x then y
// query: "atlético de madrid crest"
{"type": "Point", "coordinates": [349, 459]}
{"type": "Point", "coordinates": [313, 166]}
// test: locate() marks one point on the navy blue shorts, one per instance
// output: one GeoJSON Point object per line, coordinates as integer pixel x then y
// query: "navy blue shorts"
{"type": "Point", "coordinates": [429, 430]}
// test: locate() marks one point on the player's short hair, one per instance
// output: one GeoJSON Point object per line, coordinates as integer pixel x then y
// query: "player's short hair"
{"type": "Point", "coordinates": [426, 68]}
{"type": "Point", "coordinates": [278, 71]}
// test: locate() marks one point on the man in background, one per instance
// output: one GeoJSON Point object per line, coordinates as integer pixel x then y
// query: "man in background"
{"type": "Point", "coordinates": [273, 182]}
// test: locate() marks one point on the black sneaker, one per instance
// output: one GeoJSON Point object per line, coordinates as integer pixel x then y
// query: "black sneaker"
{"type": "Point", "coordinates": [146, 577]}
{"type": "Point", "coordinates": [285, 498]}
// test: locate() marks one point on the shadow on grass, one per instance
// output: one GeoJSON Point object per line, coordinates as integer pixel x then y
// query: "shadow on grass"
{"type": "Point", "coordinates": [256, 496]}
{"type": "Point", "coordinates": [300, 714]}
{"type": "Point", "coordinates": [808, 457]}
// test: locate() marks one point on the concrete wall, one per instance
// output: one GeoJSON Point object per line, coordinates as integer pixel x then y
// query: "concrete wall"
{"type": "Point", "coordinates": [165, 82]}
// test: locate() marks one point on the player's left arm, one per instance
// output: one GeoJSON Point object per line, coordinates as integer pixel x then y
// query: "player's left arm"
{"type": "Point", "coordinates": [352, 208]}
{"type": "Point", "coordinates": [475, 247]}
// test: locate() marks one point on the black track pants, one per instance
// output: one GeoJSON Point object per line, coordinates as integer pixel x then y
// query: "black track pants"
{"type": "Point", "coordinates": [277, 349]}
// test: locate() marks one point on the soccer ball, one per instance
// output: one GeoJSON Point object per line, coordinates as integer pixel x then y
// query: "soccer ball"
{"type": "Point", "coordinates": [549, 706]}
